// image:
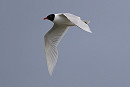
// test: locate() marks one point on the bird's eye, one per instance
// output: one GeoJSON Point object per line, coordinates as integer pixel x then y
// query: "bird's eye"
{"type": "Point", "coordinates": [51, 17]}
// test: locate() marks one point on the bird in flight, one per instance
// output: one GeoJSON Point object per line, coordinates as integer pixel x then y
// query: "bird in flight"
{"type": "Point", "coordinates": [62, 22]}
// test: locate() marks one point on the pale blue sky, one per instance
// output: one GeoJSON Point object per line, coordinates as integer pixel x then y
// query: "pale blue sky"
{"type": "Point", "coordinates": [100, 59]}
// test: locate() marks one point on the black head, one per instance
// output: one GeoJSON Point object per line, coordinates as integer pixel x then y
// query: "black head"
{"type": "Point", "coordinates": [50, 17]}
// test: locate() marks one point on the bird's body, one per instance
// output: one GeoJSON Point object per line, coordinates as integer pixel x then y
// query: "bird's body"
{"type": "Point", "coordinates": [62, 20]}
{"type": "Point", "coordinates": [51, 39]}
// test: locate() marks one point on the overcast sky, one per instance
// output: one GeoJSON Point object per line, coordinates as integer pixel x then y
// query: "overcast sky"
{"type": "Point", "coordinates": [100, 59]}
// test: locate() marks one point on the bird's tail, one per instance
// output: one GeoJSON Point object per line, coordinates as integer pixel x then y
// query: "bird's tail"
{"type": "Point", "coordinates": [87, 22]}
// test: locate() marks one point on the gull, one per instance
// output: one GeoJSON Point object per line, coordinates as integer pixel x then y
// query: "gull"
{"type": "Point", "coordinates": [62, 21]}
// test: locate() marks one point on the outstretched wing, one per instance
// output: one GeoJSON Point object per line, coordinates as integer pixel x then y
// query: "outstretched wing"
{"type": "Point", "coordinates": [77, 21]}
{"type": "Point", "coordinates": [51, 40]}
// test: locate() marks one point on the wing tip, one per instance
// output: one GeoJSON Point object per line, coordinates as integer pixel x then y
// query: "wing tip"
{"type": "Point", "coordinates": [50, 70]}
{"type": "Point", "coordinates": [90, 31]}
{"type": "Point", "coordinates": [50, 73]}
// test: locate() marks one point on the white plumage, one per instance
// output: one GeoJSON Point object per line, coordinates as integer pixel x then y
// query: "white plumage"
{"type": "Point", "coordinates": [51, 39]}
